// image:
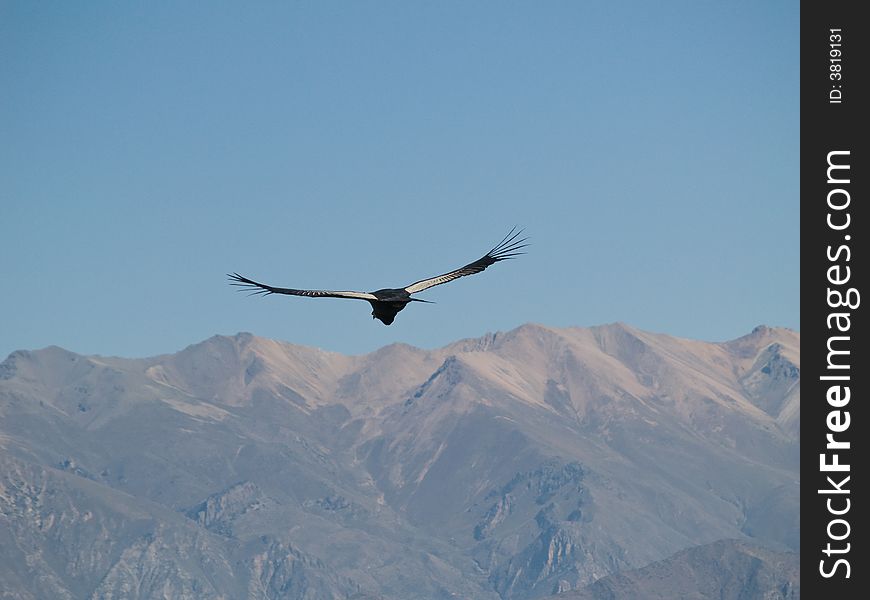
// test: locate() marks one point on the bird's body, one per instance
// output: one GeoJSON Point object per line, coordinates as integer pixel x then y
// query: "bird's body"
{"type": "Point", "coordinates": [386, 303]}
{"type": "Point", "coordinates": [389, 303]}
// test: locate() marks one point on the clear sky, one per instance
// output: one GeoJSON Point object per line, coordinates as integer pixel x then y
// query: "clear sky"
{"type": "Point", "coordinates": [650, 149]}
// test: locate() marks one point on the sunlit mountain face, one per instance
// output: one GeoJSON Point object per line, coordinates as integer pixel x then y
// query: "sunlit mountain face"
{"type": "Point", "coordinates": [514, 466]}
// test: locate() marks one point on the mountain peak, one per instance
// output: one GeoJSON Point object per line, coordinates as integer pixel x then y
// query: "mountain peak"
{"type": "Point", "coordinates": [750, 345]}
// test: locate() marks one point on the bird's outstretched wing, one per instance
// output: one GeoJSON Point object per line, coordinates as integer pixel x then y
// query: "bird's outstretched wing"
{"type": "Point", "coordinates": [265, 290]}
{"type": "Point", "coordinates": [507, 248]}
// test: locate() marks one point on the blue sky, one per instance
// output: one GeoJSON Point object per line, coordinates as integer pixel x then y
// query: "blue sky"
{"type": "Point", "coordinates": [147, 149]}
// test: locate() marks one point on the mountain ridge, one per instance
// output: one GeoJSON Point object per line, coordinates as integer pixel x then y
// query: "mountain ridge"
{"type": "Point", "coordinates": [514, 465]}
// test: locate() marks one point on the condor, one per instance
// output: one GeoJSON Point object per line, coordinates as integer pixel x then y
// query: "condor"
{"type": "Point", "coordinates": [386, 303]}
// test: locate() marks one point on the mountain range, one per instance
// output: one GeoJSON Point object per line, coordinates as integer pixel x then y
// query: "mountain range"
{"type": "Point", "coordinates": [600, 462]}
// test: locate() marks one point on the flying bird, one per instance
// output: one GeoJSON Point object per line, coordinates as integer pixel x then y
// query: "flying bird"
{"type": "Point", "coordinates": [386, 303]}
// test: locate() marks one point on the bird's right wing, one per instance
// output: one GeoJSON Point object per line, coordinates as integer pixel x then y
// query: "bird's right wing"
{"type": "Point", "coordinates": [265, 290]}
{"type": "Point", "coordinates": [507, 248]}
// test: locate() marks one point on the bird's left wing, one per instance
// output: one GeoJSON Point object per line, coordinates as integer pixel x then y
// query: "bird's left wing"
{"type": "Point", "coordinates": [265, 290]}
{"type": "Point", "coordinates": [507, 248]}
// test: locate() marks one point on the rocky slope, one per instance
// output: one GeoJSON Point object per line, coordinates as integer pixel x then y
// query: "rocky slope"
{"type": "Point", "coordinates": [723, 570]}
{"type": "Point", "coordinates": [517, 465]}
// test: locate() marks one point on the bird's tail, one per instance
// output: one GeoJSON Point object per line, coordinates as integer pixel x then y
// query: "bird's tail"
{"type": "Point", "coordinates": [418, 300]}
